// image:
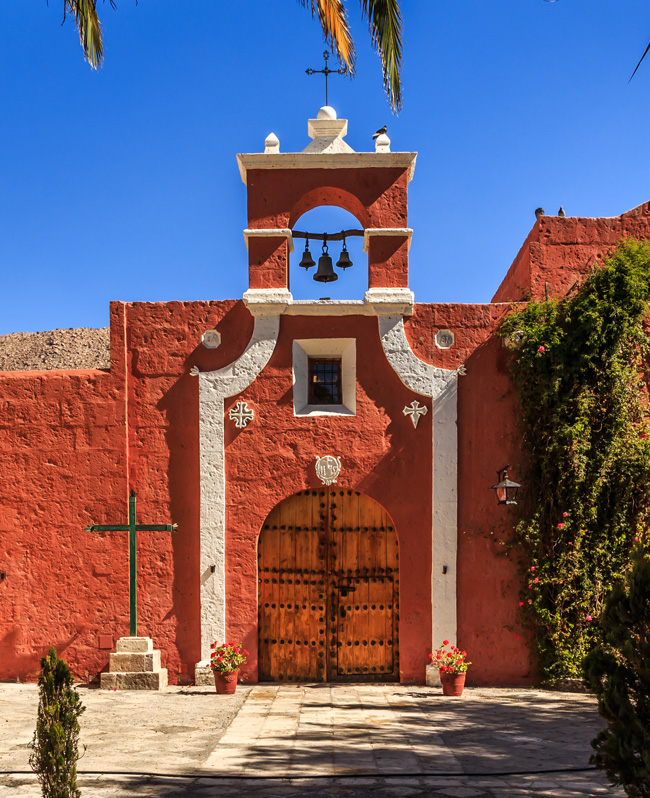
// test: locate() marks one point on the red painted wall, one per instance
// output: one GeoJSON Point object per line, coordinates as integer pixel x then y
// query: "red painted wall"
{"type": "Point", "coordinates": [277, 198]}
{"type": "Point", "coordinates": [382, 456]}
{"type": "Point", "coordinates": [64, 453]}
{"type": "Point", "coordinates": [72, 445]}
{"type": "Point", "coordinates": [562, 252]}
{"type": "Point", "coordinates": [68, 440]}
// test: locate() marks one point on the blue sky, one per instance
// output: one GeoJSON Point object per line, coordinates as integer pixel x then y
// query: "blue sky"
{"type": "Point", "coordinates": [123, 183]}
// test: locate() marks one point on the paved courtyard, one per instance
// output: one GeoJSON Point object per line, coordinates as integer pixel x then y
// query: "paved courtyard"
{"type": "Point", "coordinates": [301, 740]}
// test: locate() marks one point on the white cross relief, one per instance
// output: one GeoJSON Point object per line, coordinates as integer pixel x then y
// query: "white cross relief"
{"type": "Point", "coordinates": [241, 414]}
{"type": "Point", "coordinates": [415, 410]}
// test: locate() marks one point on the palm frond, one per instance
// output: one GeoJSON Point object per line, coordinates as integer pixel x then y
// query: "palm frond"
{"type": "Point", "coordinates": [385, 22]}
{"type": "Point", "coordinates": [334, 22]}
{"type": "Point", "coordinates": [647, 50]}
{"type": "Point", "coordinates": [90, 33]}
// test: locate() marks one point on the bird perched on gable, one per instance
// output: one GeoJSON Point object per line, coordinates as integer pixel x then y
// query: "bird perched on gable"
{"type": "Point", "coordinates": [561, 212]}
{"type": "Point", "coordinates": [539, 212]}
{"type": "Point", "coordinates": [380, 132]}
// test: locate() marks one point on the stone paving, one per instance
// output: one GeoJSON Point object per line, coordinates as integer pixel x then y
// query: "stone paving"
{"type": "Point", "coordinates": [343, 741]}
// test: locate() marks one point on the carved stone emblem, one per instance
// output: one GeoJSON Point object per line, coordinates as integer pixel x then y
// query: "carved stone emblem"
{"type": "Point", "coordinates": [211, 339]}
{"type": "Point", "coordinates": [445, 339]}
{"type": "Point", "coordinates": [328, 468]}
{"type": "Point", "coordinates": [241, 414]}
{"type": "Point", "coordinates": [415, 410]}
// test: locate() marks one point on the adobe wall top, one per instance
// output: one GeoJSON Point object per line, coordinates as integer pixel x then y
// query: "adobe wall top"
{"type": "Point", "coordinates": [327, 150]}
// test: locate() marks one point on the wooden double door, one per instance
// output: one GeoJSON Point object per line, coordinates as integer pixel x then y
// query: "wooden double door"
{"type": "Point", "coordinates": [328, 574]}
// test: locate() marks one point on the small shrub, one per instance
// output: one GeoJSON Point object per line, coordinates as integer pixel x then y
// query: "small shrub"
{"type": "Point", "coordinates": [55, 744]}
{"type": "Point", "coordinates": [618, 671]}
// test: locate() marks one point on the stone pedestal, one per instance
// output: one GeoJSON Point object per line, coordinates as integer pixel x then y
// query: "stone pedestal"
{"type": "Point", "coordinates": [433, 676]}
{"type": "Point", "coordinates": [203, 675]}
{"type": "Point", "coordinates": [134, 666]}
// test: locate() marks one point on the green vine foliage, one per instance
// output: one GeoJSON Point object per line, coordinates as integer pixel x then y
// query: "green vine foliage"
{"type": "Point", "coordinates": [579, 364]}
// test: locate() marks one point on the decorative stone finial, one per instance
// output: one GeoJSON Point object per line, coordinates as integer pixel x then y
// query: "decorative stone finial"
{"type": "Point", "coordinates": [326, 112]}
{"type": "Point", "coordinates": [328, 132]}
{"type": "Point", "coordinates": [382, 143]}
{"type": "Point", "coordinates": [271, 143]}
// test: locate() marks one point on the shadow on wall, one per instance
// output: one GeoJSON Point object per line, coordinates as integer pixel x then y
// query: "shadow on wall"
{"type": "Point", "coordinates": [181, 407]}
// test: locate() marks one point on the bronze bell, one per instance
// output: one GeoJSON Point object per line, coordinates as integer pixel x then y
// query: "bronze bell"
{"type": "Point", "coordinates": [344, 261]}
{"type": "Point", "coordinates": [325, 273]}
{"type": "Point", "coordinates": [307, 261]}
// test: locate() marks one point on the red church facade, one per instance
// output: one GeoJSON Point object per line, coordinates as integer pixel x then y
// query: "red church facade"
{"type": "Point", "coordinates": [338, 540]}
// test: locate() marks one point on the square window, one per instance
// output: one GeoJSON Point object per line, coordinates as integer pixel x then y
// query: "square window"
{"type": "Point", "coordinates": [325, 381]}
{"type": "Point", "coordinates": [324, 377]}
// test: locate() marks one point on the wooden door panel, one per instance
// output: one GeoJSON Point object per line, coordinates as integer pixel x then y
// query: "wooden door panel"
{"type": "Point", "coordinates": [365, 627]}
{"type": "Point", "coordinates": [328, 582]}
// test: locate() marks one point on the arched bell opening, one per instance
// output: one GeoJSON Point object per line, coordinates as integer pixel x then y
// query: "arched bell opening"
{"type": "Point", "coordinates": [330, 268]}
{"type": "Point", "coordinates": [328, 589]}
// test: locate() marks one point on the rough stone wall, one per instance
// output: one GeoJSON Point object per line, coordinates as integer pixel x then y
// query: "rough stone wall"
{"type": "Point", "coordinates": [82, 348]}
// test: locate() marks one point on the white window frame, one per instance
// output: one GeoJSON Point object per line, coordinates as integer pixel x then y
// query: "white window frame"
{"type": "Point", "coordinates": [343, 348]}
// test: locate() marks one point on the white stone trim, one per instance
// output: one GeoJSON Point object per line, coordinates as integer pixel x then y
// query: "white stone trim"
{"type": "Point", "coordinates": [214, 387]}
{"type": "Point", "coordinates": [371, 232]}
{"type": "Point", "coordinates": [329, 307]}
{"type": "Point", "coordinates": [445, 515]}
{"type": "Point", "coordinates": [303, 349]}
{"type": "Point", "coordinates": [326, 160]}
{"type": "Point", "coordinates": [441, 385]}
{"type": "Point", "coordinates": [419, 376]}
{"type": "Point", "coordinates": [269, 232]}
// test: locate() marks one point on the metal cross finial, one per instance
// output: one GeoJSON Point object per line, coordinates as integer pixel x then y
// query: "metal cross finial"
{"type": "Point", "coordinates": [327, 72]}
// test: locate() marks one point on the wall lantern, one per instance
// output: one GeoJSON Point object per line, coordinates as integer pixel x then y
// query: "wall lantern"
{"type": "Point", "coordinates": [325, 272]}
{"type": "Point", "coordinates": [505, 488]}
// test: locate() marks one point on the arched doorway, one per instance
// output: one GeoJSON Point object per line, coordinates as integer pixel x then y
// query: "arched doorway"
{"type": "Point", "coordinates": [328, 578]}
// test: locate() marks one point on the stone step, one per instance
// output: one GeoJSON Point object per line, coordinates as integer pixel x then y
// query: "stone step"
{"type": "Point", "coordinates": [134, 645]}
{"type": "Point", "coordinates": [156, 680]}
{"type": "Point", "coordinates": [126, 662]}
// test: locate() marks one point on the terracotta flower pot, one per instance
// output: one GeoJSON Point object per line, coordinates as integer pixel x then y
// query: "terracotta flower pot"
{"type": "Point", "coordinates": [226, 683]}
{"type": "Point", "coordinates": [452, 683]}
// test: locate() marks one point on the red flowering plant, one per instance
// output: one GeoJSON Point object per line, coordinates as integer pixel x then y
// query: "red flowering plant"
{"type": "Point", "coordinates": [227, 657]}
{"type": "Point", "coordinates": [449, 660]}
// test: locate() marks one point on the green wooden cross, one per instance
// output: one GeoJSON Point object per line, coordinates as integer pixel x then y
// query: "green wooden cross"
{"type": "Point", "coordinates": [132, 528]}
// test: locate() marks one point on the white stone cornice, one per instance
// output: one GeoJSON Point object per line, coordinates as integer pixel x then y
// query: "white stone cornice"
{"type": "Point", "coordinates": [326, 160]}
{"type": "Point", "coordinates": [386, 231]}
{"type": "Point", "coordinates": [269, 232]}
{"type": "Point", "coordinates": [390, 301]}
{"type": "Point", "coordinates": [267, 301]}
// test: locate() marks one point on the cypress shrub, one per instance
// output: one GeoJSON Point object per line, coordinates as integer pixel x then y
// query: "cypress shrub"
{"type": "Point", "coordinates": [55, 744]}
{"type": "Point", "coordinates": [618, 671]}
